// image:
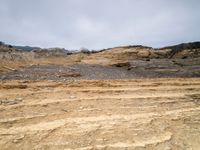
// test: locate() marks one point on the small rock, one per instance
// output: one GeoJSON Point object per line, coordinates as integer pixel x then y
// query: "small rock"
{"type": "Point", "coordinates": [131, 67]}
{"type": "Point", "coordinates": [19, 99]}
{"type": "Point", "coordinates": [64, 110]}
{"type": "Point", "coordinates": [72, 97]}
{"type": "Point", "coordinates": [81, 107]}
{"type": "Point", "coordinates": [105, 139]}
{"type": "Point", "coordinates": [15, 141]}
{"type": "Point", "coordinates": [12, 102]}
{"type": "Point", "coordinates": [18, 139]}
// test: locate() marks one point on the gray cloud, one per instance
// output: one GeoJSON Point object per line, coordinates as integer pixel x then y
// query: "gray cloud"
{"type": "Point", "coordinates": [99, 24]}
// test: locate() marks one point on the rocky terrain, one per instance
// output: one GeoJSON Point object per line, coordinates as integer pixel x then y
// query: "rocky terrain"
{"type": "Point", "coordinates": [122, 98]}
{"type": "Point", "coordinates": [115, 63]}
{"type": "Point", "coordinates": [143, 114]}
{"type": "Point", "coordinates": [156, 68]}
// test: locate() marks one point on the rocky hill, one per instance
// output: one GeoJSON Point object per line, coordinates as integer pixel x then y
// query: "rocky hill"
{"type": "Point", "coordinates": [25, 48]}
{"type": "Point", "coordinates": [51, 52]}
{"type": "Point", "coordinates": [117, 56]}
{"type": "Point", "coordinates": [185, 49]}
{"type": "Point", "coordinates": [138, 52]}
{"type": "Point", "coordinates": [7, 48]}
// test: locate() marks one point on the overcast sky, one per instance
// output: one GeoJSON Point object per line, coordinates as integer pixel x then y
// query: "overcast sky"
{"type": "Point", "coordinates": [97, 24]}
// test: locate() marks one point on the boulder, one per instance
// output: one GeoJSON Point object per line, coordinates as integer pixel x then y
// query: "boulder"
{"type": "Point", "coordinates": [143, 53]}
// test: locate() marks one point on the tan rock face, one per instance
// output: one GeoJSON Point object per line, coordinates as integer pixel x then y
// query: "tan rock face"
{"type": "Point", "coordinates": [193, 53]}
{"type": "Point", "coordinates": [144, 53]}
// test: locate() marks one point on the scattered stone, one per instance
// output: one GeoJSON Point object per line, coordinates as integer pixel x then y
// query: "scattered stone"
{"type": "Point", "coordinates": [9, 68]}
{"type": "Point", "coordinates": [114, 70]}
{"type": "Point", "coordinates": [7, 102]}
{"type": "Point", "coordinates": [15, 141]}
{"type": "Point", "coordinates": [18, 139]}
{"type": "Point", "coordinates": [10, 102]}
{"type": "Point", "coordinates": [131, 67]}
{"type": "Point", "coordinates": [104, 139]}
{"type": "Point", "coordinates": [64, 110]}
{"type": "Point", "coordinates": [19, 99]}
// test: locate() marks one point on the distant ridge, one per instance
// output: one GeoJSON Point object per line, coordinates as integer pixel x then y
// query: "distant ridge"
{"type": "Point", "coordinates": [26, 48]}
{"type": "Point", "coordinates": [174, 48]}
{"type": "Point", "coordinates": [183, 46]}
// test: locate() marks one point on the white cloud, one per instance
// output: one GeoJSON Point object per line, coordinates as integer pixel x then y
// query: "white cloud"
{"type": "Point", "coordinates": [85, 25]}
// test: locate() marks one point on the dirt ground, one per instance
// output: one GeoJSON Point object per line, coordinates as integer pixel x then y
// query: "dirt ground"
{"type": "Point", "coordinates": [142, 114]}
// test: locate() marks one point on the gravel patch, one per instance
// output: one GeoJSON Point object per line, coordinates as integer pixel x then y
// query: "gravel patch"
{"type": "Point", "coordinates": [155, 68]}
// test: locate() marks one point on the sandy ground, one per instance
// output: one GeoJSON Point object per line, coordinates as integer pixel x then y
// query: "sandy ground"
{"type": "Point", "coordinates": [150, 114]}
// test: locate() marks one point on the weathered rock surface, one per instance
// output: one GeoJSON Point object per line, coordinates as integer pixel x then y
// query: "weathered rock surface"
{"type": "Point", "coordinates": [146, 114]}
